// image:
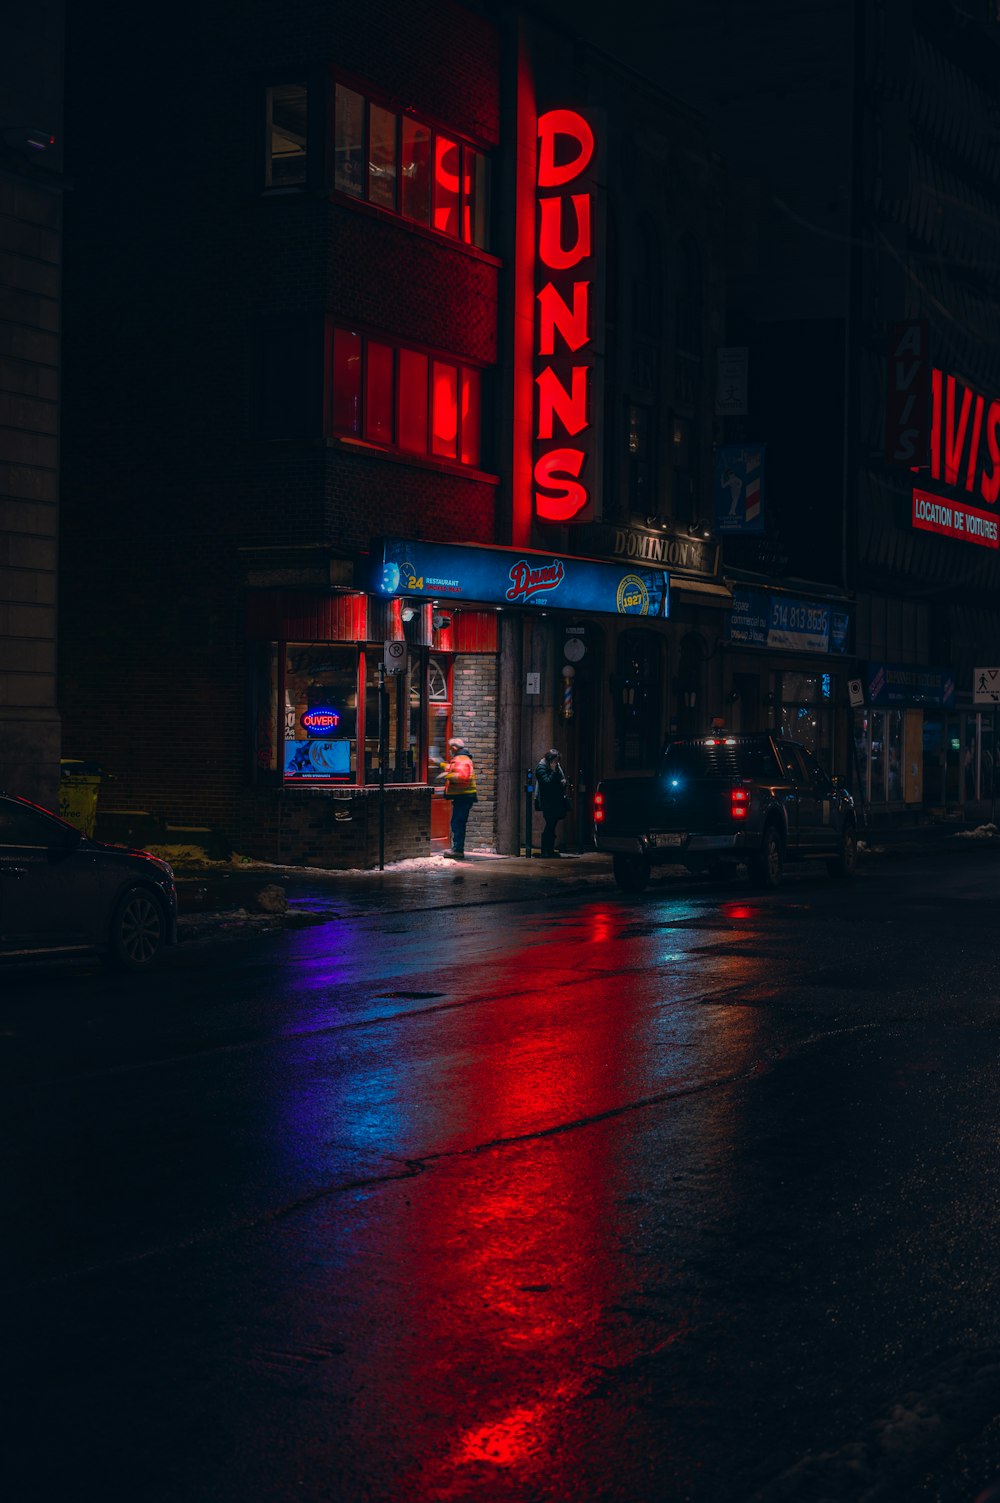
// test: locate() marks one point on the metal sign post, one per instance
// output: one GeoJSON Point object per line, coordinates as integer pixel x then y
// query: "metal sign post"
{"type": "Point", "coordinates": [529, 792]}
{"type": "Point", "coordinates": [395, 656]}
{"type": "Point", "coordinates": [986, 691]}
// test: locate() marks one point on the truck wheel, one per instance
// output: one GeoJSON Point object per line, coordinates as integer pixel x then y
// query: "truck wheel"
{"type": "Point", "coordinates": [631, 872]}
{"type": "Point", "coordinates": [138, 930]}
{"type": "Point", "coordinates": [845, 863]}
{"type": "Point", "coordinates": [765, 869]}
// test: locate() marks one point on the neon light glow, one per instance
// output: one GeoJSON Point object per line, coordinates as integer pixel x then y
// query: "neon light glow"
{"type": "Point", "coordinates": [565, 319]}
{"type": "Point", "coordinates": [961, 419]}
{"type": "Point", "coordinates": [319, 720]}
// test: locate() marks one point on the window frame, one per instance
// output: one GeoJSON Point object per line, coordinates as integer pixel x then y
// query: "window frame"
{"type": "Point", "coordinates": [473, 207]}
{"type": "Point", "coordinates": [462, 368]}
{"type": "Point", "coordinates": [272, 771]}
{"type": "Point", "coordinates": [303, 78]}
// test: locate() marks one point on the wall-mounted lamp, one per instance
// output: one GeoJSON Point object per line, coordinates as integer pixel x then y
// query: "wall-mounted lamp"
{"type": "Point", "coordinates": [440, 622]}
{"type": "Point", "coordinates": [407, 613]}
{"type": "Point", "coordinates": [690, 698]}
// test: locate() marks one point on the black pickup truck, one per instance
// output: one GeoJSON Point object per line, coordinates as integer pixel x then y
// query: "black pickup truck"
{"type": "Point", "coordinates": [724, 800]}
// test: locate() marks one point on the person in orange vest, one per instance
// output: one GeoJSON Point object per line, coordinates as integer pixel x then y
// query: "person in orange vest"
{"type": "Point", "coordinates": [460, 787]}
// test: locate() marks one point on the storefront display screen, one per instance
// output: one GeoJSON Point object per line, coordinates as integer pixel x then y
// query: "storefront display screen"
{"type": "Point", "coordinates": [317, 759]}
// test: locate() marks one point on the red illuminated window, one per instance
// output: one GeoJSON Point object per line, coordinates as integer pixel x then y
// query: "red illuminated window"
{"type": "Point", "coordinates": [444, 428]}
{"type": "Point", "coordinates": [346, 382]}
{"type": "Point", "coordinates": [404, 399]}
{"type": "Point", "coordinates": [447, 184]}
{"type": "Point", "coordinates": [412, 401]}
{"type": "Point", "coordinates": [470, 416]}
{"type": "Point", "coordinates": [379, 393]}
{"type": "Point", "coordinates": [402, 164]}
{"type": "Point", "coordinates": [416, 200]}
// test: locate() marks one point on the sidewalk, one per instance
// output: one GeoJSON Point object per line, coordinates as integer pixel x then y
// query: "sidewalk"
{"type": "Point", "coordinates": [215, 895]}
{"type": "Point", "coordinates": [421, 883]}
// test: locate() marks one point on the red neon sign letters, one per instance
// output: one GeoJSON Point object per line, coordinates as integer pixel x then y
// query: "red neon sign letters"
{"type": "Point", "coordinates": [564, 458]}
{"type": "Point", "coordinates": [965, 455]}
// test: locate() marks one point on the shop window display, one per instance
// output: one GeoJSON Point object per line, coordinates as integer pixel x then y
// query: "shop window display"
{"type": "Point", "coordinates": [403, 711]}
{"type": "Point", "coordinates": [807, 711]}
{"type": "Point", "coordinates": [320, 714]}
{"type": "Point", "coordinates": [309, 726]}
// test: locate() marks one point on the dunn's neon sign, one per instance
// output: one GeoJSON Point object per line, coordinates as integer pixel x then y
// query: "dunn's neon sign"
{"type": "Point", "coordinates": [567, 386]}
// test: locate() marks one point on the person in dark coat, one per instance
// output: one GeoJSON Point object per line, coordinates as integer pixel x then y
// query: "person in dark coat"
{"type": "Point", "coordinates": [552, 798]}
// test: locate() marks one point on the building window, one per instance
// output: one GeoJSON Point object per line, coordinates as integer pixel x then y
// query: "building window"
{"type": "Point", "coordinates": [807, 712]}
{"type": "Point", "coordinates": [397, 162]}
{"type": "Point", "coordinates": [683, 486]}
{"type": "Point", "coordinates": [320, 732]}
{"type": "Point", "coordinates": [286, 120]}
{"type": "Point", "coordinates": [325, 727]}
{"type": "Point", "coordinates": [637, 686]}
{"type": "Point", "coordinates": [403, 399]}
{"type": "Point", "coordinates": [403, 718]}
{"type": "Point", "coordinates": [640, 461]}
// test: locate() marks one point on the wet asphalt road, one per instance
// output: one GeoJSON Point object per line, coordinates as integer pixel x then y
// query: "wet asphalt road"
{"type": "Point", "coordinates": [691, 1196]}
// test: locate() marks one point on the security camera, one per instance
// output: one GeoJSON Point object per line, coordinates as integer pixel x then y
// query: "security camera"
{"type": "Point", "coordinates": [441, 623]}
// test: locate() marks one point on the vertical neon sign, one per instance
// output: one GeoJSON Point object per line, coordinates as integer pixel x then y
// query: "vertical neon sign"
{"type": "Point", "coordinates": [568, 388]}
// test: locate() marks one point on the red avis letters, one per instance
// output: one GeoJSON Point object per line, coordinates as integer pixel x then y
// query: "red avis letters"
{"type": "Point", "coordinates": [959, 424]}
{"type": "Point", "coordinates": [564, 319]}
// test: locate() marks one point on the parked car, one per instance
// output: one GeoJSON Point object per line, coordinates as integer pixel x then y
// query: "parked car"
{"type": "Point", "coordinates": [720, 801]}
{"type": "Point", "coordinates": [60, 891]}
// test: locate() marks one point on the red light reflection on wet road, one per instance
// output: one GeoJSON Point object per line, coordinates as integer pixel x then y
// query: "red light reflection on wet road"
{"type": "Point", "coordinates": [515, 1261]}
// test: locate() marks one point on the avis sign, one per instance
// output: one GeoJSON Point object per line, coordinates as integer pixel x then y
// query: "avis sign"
{"type": "Point", "coordinates": [568, 318]}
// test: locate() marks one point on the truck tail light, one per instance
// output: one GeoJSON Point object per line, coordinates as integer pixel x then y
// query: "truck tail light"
{"type": "Point", "coordinates": [739, 803]}
{"type": "Point", "coordinates": [598, 808]}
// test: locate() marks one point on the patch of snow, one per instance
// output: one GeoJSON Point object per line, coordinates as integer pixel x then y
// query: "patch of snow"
{"type": "Point", "coordinates": [981, 832]}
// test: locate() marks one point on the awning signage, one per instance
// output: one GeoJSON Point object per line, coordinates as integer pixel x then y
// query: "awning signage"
{"type": "Point", "coordinates": [761, 619]}
{"type": "Point", "coordinates": [511, 577]}
{"type": "Point", "coordinates": [904, 684]}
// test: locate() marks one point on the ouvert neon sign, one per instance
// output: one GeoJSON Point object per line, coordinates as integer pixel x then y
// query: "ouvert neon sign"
{"type": "Point", "coordinates": [567, 388]}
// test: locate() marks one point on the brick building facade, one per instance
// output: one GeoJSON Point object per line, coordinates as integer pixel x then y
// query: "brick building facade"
{"type": "Point", "coordinates": [31, 214]}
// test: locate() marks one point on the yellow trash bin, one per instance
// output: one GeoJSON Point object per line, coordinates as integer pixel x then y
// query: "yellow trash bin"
{"type": "Point", "coordinates": [79, 785]}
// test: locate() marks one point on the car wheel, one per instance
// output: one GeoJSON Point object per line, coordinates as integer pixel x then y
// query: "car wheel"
{"type": "Point", "coordinates": [765, 869]}
{"type": "Point", "coordinates": [631, 872]}
{"type": "Point", "coordinates": [137, 931]}
{"type": "Point", "coordinates": [844, 864]}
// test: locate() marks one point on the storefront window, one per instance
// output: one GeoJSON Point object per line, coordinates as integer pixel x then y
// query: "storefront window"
{"type": "Point", "coordinates": [878, 757]}
{"type": "Point", "coordinates": [894, 756]}
{"type": "Point", "coordinates": [309, 726]}
{"type": "Point", "coordinates": [320, 713]}
{"type": "Point", "coordinates": [806, 712]}
{"type": "Point", "coordinates": [438, 715]}
{"type": "Point", "coordinates": [987, 758]}
{"type": "Point", "coordinates": [637, 699]}
{"type": "Point", "coordinates": [970, 758]}
{"type": "Point", "coordinates": [402, 722]}
{"type": "Point", "coordinates": [862, 726]}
